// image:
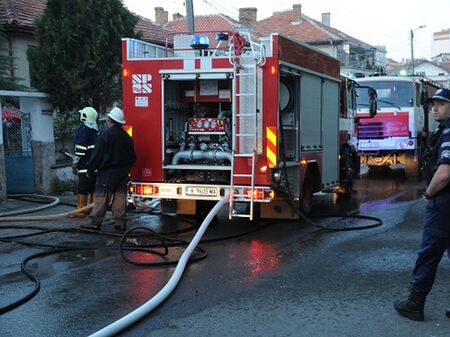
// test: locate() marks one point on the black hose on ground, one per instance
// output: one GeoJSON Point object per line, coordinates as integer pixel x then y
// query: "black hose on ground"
{"type": "Point", "coordinates": [377, 221]}
{"type": "Point", "coordinates": [165, 241]}
{"type": "Point", "coordinates": [56, 249]}
{"type": "Point", "coordinates": [34, 279]}
{"type": "Point", "coordinates": [147, 249]}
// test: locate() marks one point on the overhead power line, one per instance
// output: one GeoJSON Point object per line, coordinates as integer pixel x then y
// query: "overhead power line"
{"type": "Point", "coordinates": [222, 9]}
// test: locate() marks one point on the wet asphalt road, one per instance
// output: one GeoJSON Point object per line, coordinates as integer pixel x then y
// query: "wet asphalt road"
{"type": "Point", "coordinates": [284, 279]}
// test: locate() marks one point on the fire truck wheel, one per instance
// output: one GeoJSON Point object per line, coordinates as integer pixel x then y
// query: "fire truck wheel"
{"type": "Point", "coordinates": [306, 199]}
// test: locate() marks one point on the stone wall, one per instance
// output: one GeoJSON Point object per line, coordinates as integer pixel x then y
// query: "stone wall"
{"type": "Point", "coordinates": [44, 159]}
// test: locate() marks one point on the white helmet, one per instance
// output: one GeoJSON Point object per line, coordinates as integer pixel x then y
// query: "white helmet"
{"type": "Point", "coordinates": [117, 115]}
{"type": "Point", "coordinates": [88, 114]}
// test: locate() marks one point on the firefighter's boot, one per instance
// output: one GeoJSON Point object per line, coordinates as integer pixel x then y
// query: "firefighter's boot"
{"type": "Point", "coordinates": [412, 308]}
{"type": "Point", "coordinates": [92, 224]}
{"type": "Point", "coordinates": [81, 202]}
{"type": "Point", "coordinates": [120, 224]}
{"type": "Point", "coordinates": [447, 312]}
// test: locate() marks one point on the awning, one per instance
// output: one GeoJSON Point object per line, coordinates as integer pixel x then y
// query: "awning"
{"type": "Point", "coordinates": [11, 115]}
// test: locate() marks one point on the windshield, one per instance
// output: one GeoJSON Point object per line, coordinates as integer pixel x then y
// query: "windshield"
{"type": "Point", "coordinates": [389, 94]}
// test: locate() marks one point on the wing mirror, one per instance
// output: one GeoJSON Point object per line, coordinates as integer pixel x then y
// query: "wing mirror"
{"type": "Point", "coordinates": [373, 107]}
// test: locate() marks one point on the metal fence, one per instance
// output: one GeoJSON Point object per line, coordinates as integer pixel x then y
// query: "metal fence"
{"type": "Point", "coordinates": [17, 134]}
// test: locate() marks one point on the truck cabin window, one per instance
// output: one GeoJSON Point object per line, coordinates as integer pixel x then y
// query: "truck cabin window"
{"type": "Point", "coordinates": [389, 94]}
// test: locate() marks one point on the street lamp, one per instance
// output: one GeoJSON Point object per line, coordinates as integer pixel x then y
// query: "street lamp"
{"type": "Point", "coordinates": [412, 48]}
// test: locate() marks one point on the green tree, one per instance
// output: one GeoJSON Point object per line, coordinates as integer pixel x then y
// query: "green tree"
{"type": "Point", "coordinates": [78, 58]}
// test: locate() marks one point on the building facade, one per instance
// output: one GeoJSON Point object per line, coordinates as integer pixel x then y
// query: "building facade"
{"type": "Point", "coordinates": [357, 58]}
{"type": "Point", "coordinates": [440, 43]}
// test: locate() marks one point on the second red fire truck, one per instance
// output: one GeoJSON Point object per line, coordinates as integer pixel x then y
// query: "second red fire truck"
{"type": "Point", "coordinates": [218, 113]}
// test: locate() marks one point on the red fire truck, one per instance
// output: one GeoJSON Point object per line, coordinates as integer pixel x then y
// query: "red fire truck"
{"type": "Point", "coordinates": [218, 113]}
{"type": "Point", "coordinates": [398, 134]}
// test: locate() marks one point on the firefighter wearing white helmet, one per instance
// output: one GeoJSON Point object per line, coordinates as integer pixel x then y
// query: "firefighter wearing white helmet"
{"type": "Point", "coordinates": [84, 147]}
{"type": "Point", "coordinates": [112, 160]}
{"type": "Point", "coordinates": [116, 114]}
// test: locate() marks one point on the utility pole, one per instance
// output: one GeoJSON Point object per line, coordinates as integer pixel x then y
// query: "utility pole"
{"type": "Point", "coordinates": [412, 52]}
{"type": "Point", "coordinates": [190, 16]}
{"type": "Point", "coordinates": [412, 48]}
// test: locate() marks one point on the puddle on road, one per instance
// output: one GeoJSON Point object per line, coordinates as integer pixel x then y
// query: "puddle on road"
{"type": "Point", "coordinates": [373, 191]}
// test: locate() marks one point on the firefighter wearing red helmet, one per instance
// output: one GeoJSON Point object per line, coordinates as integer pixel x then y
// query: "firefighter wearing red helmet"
{"type": "Point", "coordinates": [84, 147]}
{"type": "Point", "coordinates": [112, 160]}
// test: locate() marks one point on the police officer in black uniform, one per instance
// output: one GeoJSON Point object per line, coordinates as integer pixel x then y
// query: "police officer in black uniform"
{"type": "Point", "coordinates": [436, 228]}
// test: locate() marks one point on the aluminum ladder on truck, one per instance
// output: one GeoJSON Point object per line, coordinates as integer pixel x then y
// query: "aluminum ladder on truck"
{"type": "Point", "coordinates": [245, 126]}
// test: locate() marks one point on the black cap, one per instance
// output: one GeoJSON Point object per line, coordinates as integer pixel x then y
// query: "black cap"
{"type": "Point", "coordinates": [440, 95]}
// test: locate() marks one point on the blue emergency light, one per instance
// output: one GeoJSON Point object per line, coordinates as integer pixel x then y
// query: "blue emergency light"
{"type": "Point", "coordinates": [200, 42]}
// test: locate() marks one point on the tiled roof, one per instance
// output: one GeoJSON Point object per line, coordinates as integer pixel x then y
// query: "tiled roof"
{"type": "Point", "coordinates": [151, 32]}
{"type": "Point", "coordinates": [21, 14]}
{"type": "Point", "coordinates": [306, 29]}
{"type": "Point", "coordinates": [214, 22]}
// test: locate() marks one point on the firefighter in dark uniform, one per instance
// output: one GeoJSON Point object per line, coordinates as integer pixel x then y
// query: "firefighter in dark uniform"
{"type": "Point", "coordinates": [436, 229]}
{"type": "Point", "coordinates": [84, 147]}
{"type": "Point", "coordinates": [112, 160]}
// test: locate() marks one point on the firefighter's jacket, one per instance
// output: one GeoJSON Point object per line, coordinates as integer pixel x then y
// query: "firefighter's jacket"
{"type": "Point", "coordinates": [113, 158]}
{"type": "Point", "coordinates": [84, 146]}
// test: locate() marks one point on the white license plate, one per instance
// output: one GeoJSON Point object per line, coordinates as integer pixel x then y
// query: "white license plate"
{"type": "Point", "coordinates": [202, 191]}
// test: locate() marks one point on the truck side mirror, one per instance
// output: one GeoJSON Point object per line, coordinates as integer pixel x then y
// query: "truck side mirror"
{"type": "Point", "coordinates": [372, 107]}
{"type": "Point", "coordinates": [372, 102]}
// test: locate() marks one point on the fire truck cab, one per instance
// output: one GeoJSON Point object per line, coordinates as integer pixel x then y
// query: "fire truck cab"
{"type": "Point", "coordinates": [398, 134]}
{"type": "Point", "coordinates": [217, 113]}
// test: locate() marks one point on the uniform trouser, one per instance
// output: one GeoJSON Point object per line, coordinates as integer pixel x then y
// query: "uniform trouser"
{"type": "Point", "coordinates": [85, 185]}
{"type": "Point", "coordinates": [435, 241]}
{"type": "Point", "coordinates": [119, 203]}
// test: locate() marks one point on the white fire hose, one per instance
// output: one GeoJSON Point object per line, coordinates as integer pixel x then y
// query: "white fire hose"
{"type": "Point", "coordinates": [59, 216]}
{"type": "Point", "coordinates": [124, 322]}
{"type": "Point", "coordinates": [11, 216]}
